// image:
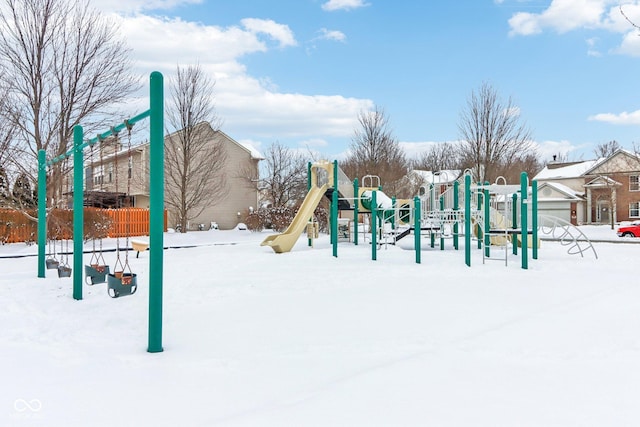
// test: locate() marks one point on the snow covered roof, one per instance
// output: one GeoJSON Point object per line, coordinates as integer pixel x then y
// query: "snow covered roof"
{"type": "Point", "coordinates": [255, 154]}
{"type": "Point", "coordinates": [440, 177]}
{"type": "Point", "coordinates": [571, 170]}
{"type": "Point", "coordinates": [563, 189]}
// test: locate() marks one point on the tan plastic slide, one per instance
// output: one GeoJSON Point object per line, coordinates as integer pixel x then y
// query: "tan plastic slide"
{"type": "Point", "coordinates": [284, 242]}
{"type": "Point", "coordinates": [502, 223]}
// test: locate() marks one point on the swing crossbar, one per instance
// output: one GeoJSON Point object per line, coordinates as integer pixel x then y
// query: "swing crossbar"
{"type": "Point", "coordinates": [101, 136]}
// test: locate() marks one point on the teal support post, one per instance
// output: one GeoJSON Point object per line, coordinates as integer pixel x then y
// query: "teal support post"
{"type": "Point", "coordinates": [487, 220]}
{"type": "Point", "coordinates": [456, 209]}
{"type": "Point", "coordinates": [524, 236]}
{"type": "Point", "coordinates": [310, 241]}
{"type": "Point", "coordinates": [393, 218]}
{"type": "Point", "coordinates": [356, 202]}
{"type": "Point", "coordinates": [442, 223]}
{"type": "Point", "coordinates": [374, 225]}
{"type": "Point", "coordinates": [514, 223]}
{"type": "Point", "coordinates": [432, 199]}
{"type": "Point", "coordinates": [156, 211]}
{"type": "Point", "coordinates": [334, 224]}
{"type": "Point", "coordinates": [416, 228]}
{"type": "Point", "coordinates": [42, 211]}
{"type": "Point", "coordinates": [334, 208]}
{"type": "Point", "coordinates": [478, 227]}
{"type": "Point", "coordinates": [467, 220]}
{"type": "Point", "coordinates": [534, 219]}
{"type": "Point", "coordinates": [78, 212]}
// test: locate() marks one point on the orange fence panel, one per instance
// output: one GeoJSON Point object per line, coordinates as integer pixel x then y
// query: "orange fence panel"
{"type": "Point", "coordinates": [16, 226]}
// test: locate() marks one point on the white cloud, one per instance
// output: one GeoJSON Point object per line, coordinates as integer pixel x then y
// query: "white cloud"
{"type": "Point", "coordinates": [567, 15]}
{"type": "Point", "coordinates": [547, 149]}
{"type": "Point", "coordinates": [334, 35]}
{"type": "Point", "coordinates": [630, 44]}
{"type": "Point", "coordinates": [247, 104]}
{"type": "Point", "coordinates": [332, 5]}
{"type": "Point", "coordinates": [591, 43]}
{"type": "Point", "coordinates": [280, 32]}
{"type": "Point", "coordinates": [624, 118]}
{"type": "Point", "coordinates": [561, 16]}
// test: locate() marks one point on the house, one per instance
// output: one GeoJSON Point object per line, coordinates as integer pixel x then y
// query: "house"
{"type": "Point", "coordinates": [117, 175]}
{"type": "Point", "coordinates": [598, 191]}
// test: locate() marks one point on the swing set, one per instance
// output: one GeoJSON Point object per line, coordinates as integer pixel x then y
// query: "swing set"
{"type": "Point", "coordinates": [123, 281]}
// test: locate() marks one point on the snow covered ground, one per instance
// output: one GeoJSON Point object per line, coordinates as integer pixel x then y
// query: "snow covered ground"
{"type": "Point", "coordinates": [254, 338]}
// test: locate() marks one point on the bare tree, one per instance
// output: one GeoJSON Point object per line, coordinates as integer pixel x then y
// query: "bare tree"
{"type": "Point", "coordinates": [492, 134]}
{"type": "Point", "coordinates": [67, 65]}
{"type": "Point", "coordinates": [283, 181]}
{"type": "Point", "coordinates": [606, 149]}
{"type": "Point", "coordinates": [194, 155]}
{"type": "Point", "coordinates": [439, 157]}
{"type": "Point", "coordinates": [5, 194]}
{"type": "Point", "coordinates": [375, 151]}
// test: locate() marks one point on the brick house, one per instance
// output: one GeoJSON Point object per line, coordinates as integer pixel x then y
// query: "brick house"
{"type": "Point", "coordinates": [592, 192]}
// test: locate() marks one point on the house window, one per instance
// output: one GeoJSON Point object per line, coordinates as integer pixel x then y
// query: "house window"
{"type": "Point", "coordinates": [634, 210]}
{"type": "Point", "coordinates": [130, 167]}
{"type": "Point", "coordinates": [634, 183]}
{"type": "Point", "coordinates": [110, 173]}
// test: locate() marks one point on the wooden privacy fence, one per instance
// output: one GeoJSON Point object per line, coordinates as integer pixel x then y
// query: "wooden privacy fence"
{"type": "Point", "coordinates": [130, 222]}
{"type": "Point", "coordinates": [16, 226]}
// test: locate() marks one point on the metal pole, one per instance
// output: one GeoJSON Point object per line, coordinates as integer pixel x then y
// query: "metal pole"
{"type": "Point", "coordinates": [42, 211]}
{"type": "Point", "coordinates": [334, 209]}
{"type": "Point", "coordinates": [78, 212]}
{"type": "Point", "coordinates": [310, 240]}
{"type": "Point", "coordinates": [487, 220]}
{"type": "Point", "coordinates": [156, 211]}
{"type": "Point", "coordinates": [467, 220]}
{"type": "Point", "coordinates": [417, 228]}
{"type": "Point", "coordinates": [334, 223]}
{"type": "Point", "coordinates": [356, 202]}
{"type": "Point", "coordinates": [442, 223]}
{"type": "Point", "coordinates": [524, 235]}
{"type": "Point", "coordinates": [374, 225]}
{"type": "Point", "coordinates": [534, 218]}
{"type": "Point", "coordinates": [456, 208]}
{"type": "Point", "coordinates": [514, 223]}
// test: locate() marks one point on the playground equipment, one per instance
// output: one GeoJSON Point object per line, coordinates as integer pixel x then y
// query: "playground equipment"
{"type": "Point", "coordinates": [156, 189]}
{"type": "Point", "coordinates": [495, 216]}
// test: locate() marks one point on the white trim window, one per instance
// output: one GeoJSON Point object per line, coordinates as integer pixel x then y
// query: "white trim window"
{"type": "Point", "coordinates": [634, 210]}
{"type": "Point", "coordinates": [634, 182]}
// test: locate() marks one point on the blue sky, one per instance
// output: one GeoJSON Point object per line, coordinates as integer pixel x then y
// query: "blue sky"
{"type": "Point", "coordinates": [299, 71]}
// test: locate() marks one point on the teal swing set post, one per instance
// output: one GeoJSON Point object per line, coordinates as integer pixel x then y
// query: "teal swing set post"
{"type": "Point", "coordinates": [156, 205]}
{"type": "Point", "coordinates": [355, 212]}
{"type": "Point", "coordinates": [334, 209]}
{"type": "Point", "coordinates": [456, 208]}
{"type": "Point", "coordinates": [524, 234]}
{"type": "Point", "coordinates": [467, 220]}
{"type": "Point", "coordinates": [417, 227]}
{"type": "Point", "coordinates": [374, 226]}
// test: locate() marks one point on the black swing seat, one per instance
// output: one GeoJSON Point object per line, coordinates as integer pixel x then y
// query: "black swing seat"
{"type": "Point", "coordinates": [95, 273]}
{"type": "Point", "coordinates": [64, 271]}
{"type": "Point", "coordinates": [122, 284]}
{"type": "Point", "coordinates": [51, 263]}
